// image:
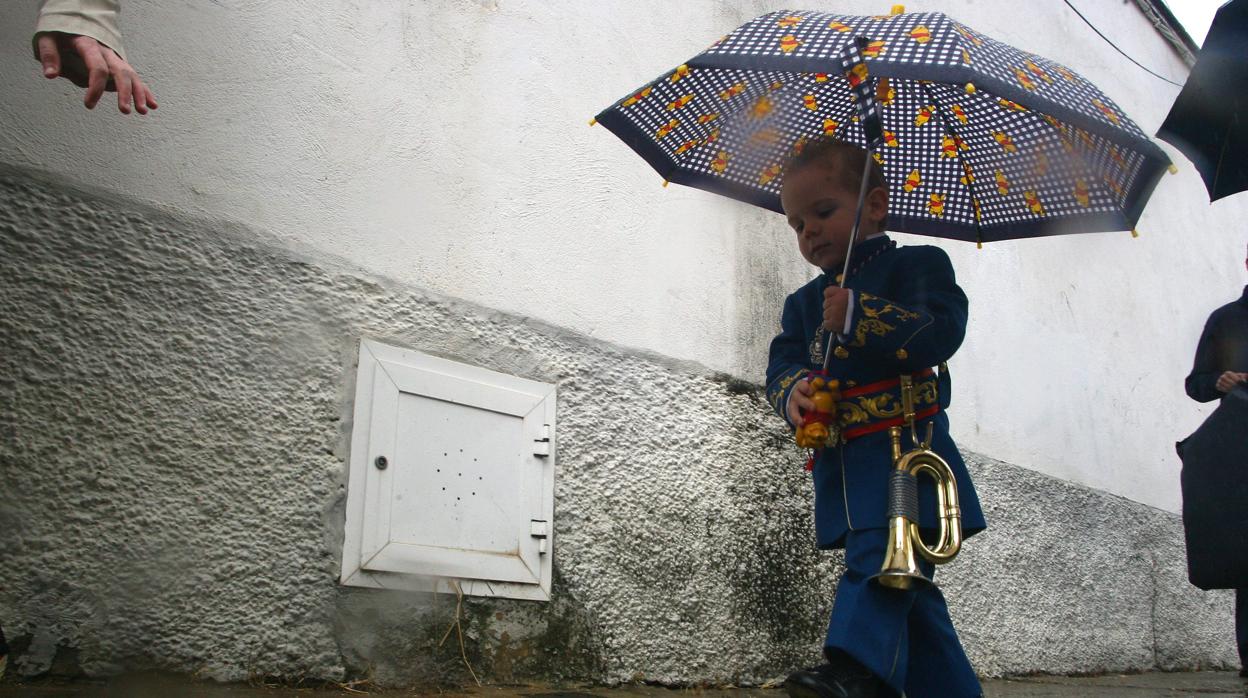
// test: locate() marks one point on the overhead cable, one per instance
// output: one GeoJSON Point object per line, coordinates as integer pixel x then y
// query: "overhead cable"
{"type": "Point", "coordinates": [1124, 53]}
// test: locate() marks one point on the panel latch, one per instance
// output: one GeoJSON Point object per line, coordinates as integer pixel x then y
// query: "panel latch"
{"type": "Point", "coordinates": [538, 529]}
{"type": "Point", "coordinates": [541, 445]}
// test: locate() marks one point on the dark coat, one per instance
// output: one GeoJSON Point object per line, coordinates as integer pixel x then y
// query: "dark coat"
{"type": "Point", "coordinates": [908, 315]}
{"type": "Point", "coordinates": [1214, 479]}
{"type": "Point", "coordinates": [1223, 347]}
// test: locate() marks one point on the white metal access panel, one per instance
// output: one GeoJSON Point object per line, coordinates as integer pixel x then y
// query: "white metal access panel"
{"type": "Point", "coordinates": [451, 477]}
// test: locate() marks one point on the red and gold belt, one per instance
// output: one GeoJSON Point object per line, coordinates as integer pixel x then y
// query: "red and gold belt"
{"type": "Point", "coordinates": [866, 409]}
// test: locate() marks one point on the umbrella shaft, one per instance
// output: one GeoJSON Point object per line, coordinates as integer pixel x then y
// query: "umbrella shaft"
{"type": "Point", "coordinates": [835, 340]}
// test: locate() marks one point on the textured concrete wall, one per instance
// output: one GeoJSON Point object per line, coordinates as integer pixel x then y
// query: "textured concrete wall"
{"type": "Point", "coordinates": [175, 414]}
{"type": "Point", "coordinates": [443, 143]}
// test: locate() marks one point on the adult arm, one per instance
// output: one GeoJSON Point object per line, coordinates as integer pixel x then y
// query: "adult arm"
{"type": "Point", "coordinates": [80, 40]}
{"type": "Point", "coordinates": [1201, 383]}
{"type": "Point", "coordinates": [94, 18]}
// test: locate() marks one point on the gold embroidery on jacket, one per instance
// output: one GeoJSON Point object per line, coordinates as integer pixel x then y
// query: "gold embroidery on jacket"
{"type": "Point", "coordinates": [878, 316]}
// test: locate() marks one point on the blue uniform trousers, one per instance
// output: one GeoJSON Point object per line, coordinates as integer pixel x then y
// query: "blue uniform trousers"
{"type": "Point", "coordinates": [904, 637]}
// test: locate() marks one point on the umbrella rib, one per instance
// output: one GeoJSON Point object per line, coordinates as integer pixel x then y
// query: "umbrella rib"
{"type": "Point", "coordinates": [1226, 138]}
{"type": "Point", "coordinates": [979, 237]}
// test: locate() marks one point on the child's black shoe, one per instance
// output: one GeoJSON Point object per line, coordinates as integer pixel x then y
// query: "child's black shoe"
{"type": "Point", "coordinates": [842, 677]}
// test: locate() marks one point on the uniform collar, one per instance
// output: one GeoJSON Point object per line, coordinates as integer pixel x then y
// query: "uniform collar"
{"type": "Point", "coordinates": [872, 243]}
{"type": "Point", "coordinates": [865, 251]}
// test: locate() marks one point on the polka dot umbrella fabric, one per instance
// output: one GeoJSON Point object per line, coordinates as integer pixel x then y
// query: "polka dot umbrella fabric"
{"type": "Point", "coordinates": [982, 141]}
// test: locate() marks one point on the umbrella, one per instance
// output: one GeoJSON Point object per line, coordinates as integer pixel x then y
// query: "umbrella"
{"type": "Point", "coordinates": [1208, 121]}
{"type": "Point", "coordinates": [981, 141]}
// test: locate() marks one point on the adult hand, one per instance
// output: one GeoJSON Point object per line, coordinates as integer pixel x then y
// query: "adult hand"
{"type": "Point", "coordinates": [1229, 380]}
{"type": "Point", "coordinates": [92, 65]}
{"type": "Point", "coordinates": [799, 401]}
{"type": "Point", "coordinates": [835, 305]}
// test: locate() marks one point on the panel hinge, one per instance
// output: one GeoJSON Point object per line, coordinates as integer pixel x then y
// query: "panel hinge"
{"type": "Point", "coordinates": [541, 445]}
{"type": "Point", "coordinates": [538, 529]}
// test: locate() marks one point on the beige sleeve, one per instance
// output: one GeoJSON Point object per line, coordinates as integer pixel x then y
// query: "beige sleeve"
{"type": "Point", "coordinates": [94, 18]}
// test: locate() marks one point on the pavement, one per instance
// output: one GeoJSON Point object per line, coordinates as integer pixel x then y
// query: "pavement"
{"type": "Point", "coordinates": [1205, 684]}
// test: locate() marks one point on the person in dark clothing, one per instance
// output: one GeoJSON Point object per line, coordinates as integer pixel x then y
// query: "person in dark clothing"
{"type": "Point", "coordinates": [1222, 364]}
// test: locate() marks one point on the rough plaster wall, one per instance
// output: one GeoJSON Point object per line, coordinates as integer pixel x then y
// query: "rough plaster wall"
{"type": "Point", "coordinates": [176, 405]}
{"type": "Point", "coordinates": [443, 143]}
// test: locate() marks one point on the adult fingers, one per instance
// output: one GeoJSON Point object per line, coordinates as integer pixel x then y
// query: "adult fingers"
{"type": "Point", "coordinates": [97, 69]}
{"type": "Point", "coordinates": [148, 98]}
{"type": "Point", "coordinates": [49, 56]}
{"type": "Point", "coordinates": [140, 96]}
{"type": "Point", "coordinates": [124, 78]}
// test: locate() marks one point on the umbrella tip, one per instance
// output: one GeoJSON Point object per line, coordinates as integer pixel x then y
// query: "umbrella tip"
{"type": "Point", "coordinates": [898, 10]}
{"type": "Point", "coordinates": [1135, 233]}
{"type": "Point", "coordinates": [665, 183]}
{"type": "Point", "coordinates": [593, 122]}
{"type": "Point", "coordinates": [970, 88]}
{"type": "Point", "coordinates": [1174, 169]}
{"type": "Point", "coordinates": [979, 244]}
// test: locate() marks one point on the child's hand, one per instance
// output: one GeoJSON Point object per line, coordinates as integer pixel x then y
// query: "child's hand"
{"type": "Point", "coordinates": [799, 401]}
{"type": "Point", "coordinates": [835, 305]}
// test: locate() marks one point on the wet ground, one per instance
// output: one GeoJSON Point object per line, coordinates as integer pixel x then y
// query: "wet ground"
{"type": "Point", "coordinates": [1203, 684]}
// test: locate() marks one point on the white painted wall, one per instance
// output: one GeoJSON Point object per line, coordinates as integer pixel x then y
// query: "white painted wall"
{"type": "Point", "coordinates": [444, 143]}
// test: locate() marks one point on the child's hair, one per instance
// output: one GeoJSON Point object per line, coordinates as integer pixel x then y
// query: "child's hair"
{"type": "Point", "coordinates": [848, 158]}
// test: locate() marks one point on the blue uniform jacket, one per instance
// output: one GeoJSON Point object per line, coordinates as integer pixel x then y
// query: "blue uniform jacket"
{"type": "Point", "coordinates": [908, 315]}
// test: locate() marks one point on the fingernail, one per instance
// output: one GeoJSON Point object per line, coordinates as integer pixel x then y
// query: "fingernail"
{"type": "Point", "coordinates": [49, 72]}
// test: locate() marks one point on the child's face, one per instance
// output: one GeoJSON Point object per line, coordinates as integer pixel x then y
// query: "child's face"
{"type": "Point", "coordinates": [821, 211]}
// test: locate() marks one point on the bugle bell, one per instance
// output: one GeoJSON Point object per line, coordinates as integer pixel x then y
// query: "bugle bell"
{"type": "Point", "coordinates": [900, 569]}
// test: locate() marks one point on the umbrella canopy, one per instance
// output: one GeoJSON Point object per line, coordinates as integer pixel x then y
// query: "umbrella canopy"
{"type": "Point", "coordinates": [1209, 120]}
{"type": "Point", "coordinates": [982, 141]}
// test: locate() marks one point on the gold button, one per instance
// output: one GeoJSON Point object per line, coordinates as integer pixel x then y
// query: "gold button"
{"type": "Point", "coordinates": [839, 278]}
{"type": "Point", "coordinates": [903, 354]}
{"type": "Point", "coordinates": [841, 353]}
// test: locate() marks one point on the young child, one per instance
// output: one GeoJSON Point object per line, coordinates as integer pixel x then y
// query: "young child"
{"type": "Point", "coordinates": [901, 312]}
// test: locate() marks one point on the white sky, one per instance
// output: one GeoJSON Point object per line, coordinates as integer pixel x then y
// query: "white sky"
{"type": "Point", "coordinates": [1195, 15]}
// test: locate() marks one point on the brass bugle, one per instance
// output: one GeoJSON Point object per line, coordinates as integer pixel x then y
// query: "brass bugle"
{"type": "Point", "coordinates": [900, 569]}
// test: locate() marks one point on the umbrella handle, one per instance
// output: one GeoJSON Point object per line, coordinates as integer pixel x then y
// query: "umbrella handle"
{"type": "Point", "coordinates": [835, 340]}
